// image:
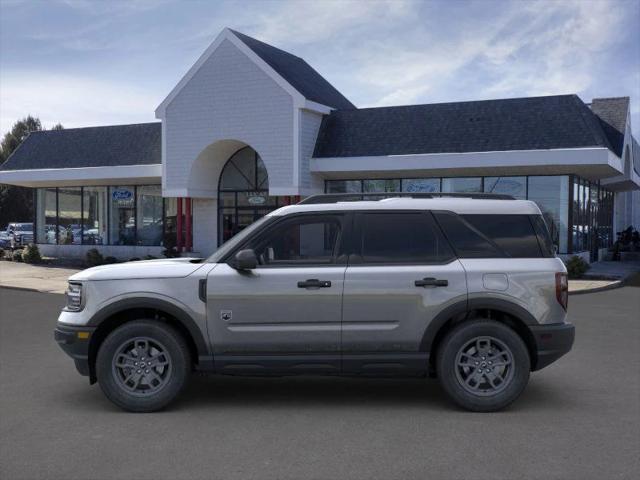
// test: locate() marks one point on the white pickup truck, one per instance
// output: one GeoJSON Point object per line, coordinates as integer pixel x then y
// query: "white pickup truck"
{"type": "Point", "coordinates": [16, 235]}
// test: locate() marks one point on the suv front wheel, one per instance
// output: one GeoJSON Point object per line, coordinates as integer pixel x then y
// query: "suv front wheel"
{"type": "Point", "coordinates": [143, 365]}
{"type": "Point", "coordinates": [483, 365]}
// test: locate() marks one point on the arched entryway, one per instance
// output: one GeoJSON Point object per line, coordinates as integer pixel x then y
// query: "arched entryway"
{"type": "Point", "coordinates": [243, 193]}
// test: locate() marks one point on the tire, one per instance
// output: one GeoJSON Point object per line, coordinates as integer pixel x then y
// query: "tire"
{"type": "Point", "coordinates": [467, 350]}
{"type": "Point", "coordinates": [134, 384]}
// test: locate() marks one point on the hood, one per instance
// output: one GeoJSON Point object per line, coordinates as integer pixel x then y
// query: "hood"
{"type": "Point", "coordinates": [163, 268]}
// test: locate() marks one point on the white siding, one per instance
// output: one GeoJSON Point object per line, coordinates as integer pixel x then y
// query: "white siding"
{"type": "Point", "coordinates": [229, 97]}
{"type": "Point", "coordinates": [309, 127]}
{"type": "Point", "coordinates": [205, 226]}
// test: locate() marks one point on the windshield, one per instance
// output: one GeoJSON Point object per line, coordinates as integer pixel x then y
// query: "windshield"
{"type": "Point", "coordinates": [22, 227]}
{"type": "Point", "coordinates": [233, 242]}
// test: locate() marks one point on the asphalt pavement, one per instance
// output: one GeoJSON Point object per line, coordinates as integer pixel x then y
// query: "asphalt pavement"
{"type": "Point", "coordinates": [577, 419]}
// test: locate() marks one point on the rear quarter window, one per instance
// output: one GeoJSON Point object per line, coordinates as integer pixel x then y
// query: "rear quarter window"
{"type": "Point", "coordinates": [491, 235]}
{"type": "Point", "coordinates": [514, 234]}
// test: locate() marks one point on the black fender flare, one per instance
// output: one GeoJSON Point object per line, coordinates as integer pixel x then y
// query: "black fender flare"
{"type": "Point", "coordinates": [155, 304]}
{"type": "Point", "coordinates": [463, 307]}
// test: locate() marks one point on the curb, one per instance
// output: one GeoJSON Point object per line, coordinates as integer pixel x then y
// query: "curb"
{"type": "Point", "coordinates": [611, 286]}
{"type": "Point", "coordinates": [29, 289]}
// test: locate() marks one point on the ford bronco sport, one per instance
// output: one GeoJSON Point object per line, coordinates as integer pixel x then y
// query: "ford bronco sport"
{"type": "Point", "coordinates": [464, 288]}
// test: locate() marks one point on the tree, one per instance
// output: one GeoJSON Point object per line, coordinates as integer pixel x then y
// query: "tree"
{"type": "Point", "coordinates": [16, 203]}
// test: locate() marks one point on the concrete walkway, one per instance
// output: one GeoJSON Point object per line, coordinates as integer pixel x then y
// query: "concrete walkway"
{"type": "Point", "coordinates": [54, 279]}
{"type": "Point", "coordinates": [612, 270]}
{"type": "Point", "coordinates": [34, 277]}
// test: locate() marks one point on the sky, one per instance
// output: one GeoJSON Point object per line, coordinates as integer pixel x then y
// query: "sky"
{"type": "Point", "coordinates": [86, 63]}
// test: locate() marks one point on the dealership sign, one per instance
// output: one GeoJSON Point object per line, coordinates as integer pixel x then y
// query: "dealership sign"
{"type": "Point", "coordinates": [122, 197]}
{"type": "Point", "coordinates": [256, 199]}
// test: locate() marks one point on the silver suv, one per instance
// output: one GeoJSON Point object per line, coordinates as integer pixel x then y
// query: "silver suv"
{"type": "Point", "coordinates": [467, 289]}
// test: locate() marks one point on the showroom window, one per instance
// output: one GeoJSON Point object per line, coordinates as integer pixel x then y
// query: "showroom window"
{"type": "Point", "coordinates": [422, 185]}
{"type": "Point", "coordinates": [69, 216]}
{"type": "Point", "coordinates": [514, 186]}
{"type": "Point", "coordinates": [462, 185]}
{"type": "Point", "coordinates": [583, 205]}
{"type": "Point", "coordinates": [46, 216]}
{"type": "Point", "coordinates": [243, 193]}
{"type": "Point", "coordinates": [117, 215]}
{"type": "Point", "coordinates": [551, 194]}
{"type": "Point", "coordinates": [149, 215]}
{"type": "Point", "coordinates": [94, 216]}
{"type": "Point", "coordinates": [122, 218]}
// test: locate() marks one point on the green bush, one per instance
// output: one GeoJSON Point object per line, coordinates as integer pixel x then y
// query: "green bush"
{"type": "Point", "coordinates": [16, 256]}
{"type": "Point", "coordinates": [1, 253]}
{"type": "Point", "coordinates": [149, 257]}
{"type": "Point", "coordinates": [109, 260]}
{"type": "Point", "coordinates": [576, 266]}
{"type": "Point", "coordinates": [31, 254]}
{"type": "Point", "coordinates": [134, 259]}
{"type": "Point", "coordinates": [94, 258]}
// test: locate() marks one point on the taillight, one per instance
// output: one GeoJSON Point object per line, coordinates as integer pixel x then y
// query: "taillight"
{"type": "Point", "coordinates": [562, 289]}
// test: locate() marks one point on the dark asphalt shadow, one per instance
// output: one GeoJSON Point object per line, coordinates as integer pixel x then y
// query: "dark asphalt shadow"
{"type": "Point", "coordinates": [208, 392]}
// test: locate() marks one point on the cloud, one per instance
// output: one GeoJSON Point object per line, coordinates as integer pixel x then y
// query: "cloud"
{"type": "Point", "coordinates": [73, 101]}
{"type": "Point", "coordinates": [533, 48]}
{"type": "Point", "coordinates": [296, 22]}
{"type": "Point", "coordinates": [376, 52]}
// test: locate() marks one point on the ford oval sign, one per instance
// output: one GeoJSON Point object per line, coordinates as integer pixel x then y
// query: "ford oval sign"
{"type": "Point", "coordinates": [256, 200]}
{"type": "Point", "coordinates": [122, 194]}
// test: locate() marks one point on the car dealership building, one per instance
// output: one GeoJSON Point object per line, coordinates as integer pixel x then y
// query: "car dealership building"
{"type": "Point", "coordinates": [250, 128]}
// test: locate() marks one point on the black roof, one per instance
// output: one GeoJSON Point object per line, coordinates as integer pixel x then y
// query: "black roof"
{"type": "Point", "coordinates": [612, 113]}
{"type": "Point", "coordinates": [298, 73]}
{"type": "Point", "coordinates": [532, 123]}
{"type": "Point", "coordinates": [115, 145]}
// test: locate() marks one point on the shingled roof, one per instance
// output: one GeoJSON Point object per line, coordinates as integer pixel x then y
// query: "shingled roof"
{"type": "Point", "coordinates": [298, 73]}
{"type": "Point", "coordinates": [533, 123]}
{"type": "Point", "coordinates": [115, 145]}
{"type": "Point", "coordinates": [612, 113]}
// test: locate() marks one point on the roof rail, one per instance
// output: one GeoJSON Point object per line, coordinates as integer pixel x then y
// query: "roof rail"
{"type": "Point", "coordinates": [359, 197]}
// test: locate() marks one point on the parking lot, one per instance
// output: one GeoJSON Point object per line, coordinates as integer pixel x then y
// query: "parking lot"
{"type": "Point", "coordinates": [578, 419]}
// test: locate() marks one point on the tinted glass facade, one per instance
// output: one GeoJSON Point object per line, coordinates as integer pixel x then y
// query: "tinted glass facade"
{"type": "Point", "coordinates": [578, 213]}
{"type": "Point", "coordinates": [115, 215]}
{"type": "Point", "coordinates": [243, 193]}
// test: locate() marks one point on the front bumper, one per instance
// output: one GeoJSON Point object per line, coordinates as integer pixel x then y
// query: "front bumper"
{"type": "Point", "coordinates": [552, 342]}
{"type": "Point", "coordinates": [75, 343]}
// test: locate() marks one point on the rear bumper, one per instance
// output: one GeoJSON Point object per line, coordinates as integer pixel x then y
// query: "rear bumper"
{"type": "Point", "coordinates": [552, 342]}
{"type": "Point", "coordinates": [75, 343]}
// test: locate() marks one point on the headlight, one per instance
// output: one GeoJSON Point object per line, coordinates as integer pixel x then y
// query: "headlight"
{"type": "Point", "coordinates": [74, 297]}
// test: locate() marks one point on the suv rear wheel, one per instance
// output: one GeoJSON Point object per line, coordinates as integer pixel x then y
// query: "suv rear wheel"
{"type": "Point", "coordinates": [483, 365]}
{"type": "Point", "coordinates": [143, 365]}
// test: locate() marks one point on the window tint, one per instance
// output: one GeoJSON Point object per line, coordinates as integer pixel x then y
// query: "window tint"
{"type": "Point", "coordinates": [544, 239]}
{"type": "Point", "coordinates": [512, 233]}
{"type": "Point", "coordinates": [305, 240]}
{"type": "Point", "coordinates": [467, 241]}
{"type": "Point", "coordinates": [402, 238]}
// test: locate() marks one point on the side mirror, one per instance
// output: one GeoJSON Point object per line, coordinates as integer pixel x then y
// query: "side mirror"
{"type": "Point", "coordinates": [245, 260]}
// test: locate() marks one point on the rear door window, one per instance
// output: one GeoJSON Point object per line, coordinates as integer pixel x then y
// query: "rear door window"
{"type": "Point", "coordinates": [401, 238]}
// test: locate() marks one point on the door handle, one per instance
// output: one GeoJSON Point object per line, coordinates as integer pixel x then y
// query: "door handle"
{"type": "Point", "coordinates": [431, 282]}
{"type": "Point", "coordinates": [314, 283]}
